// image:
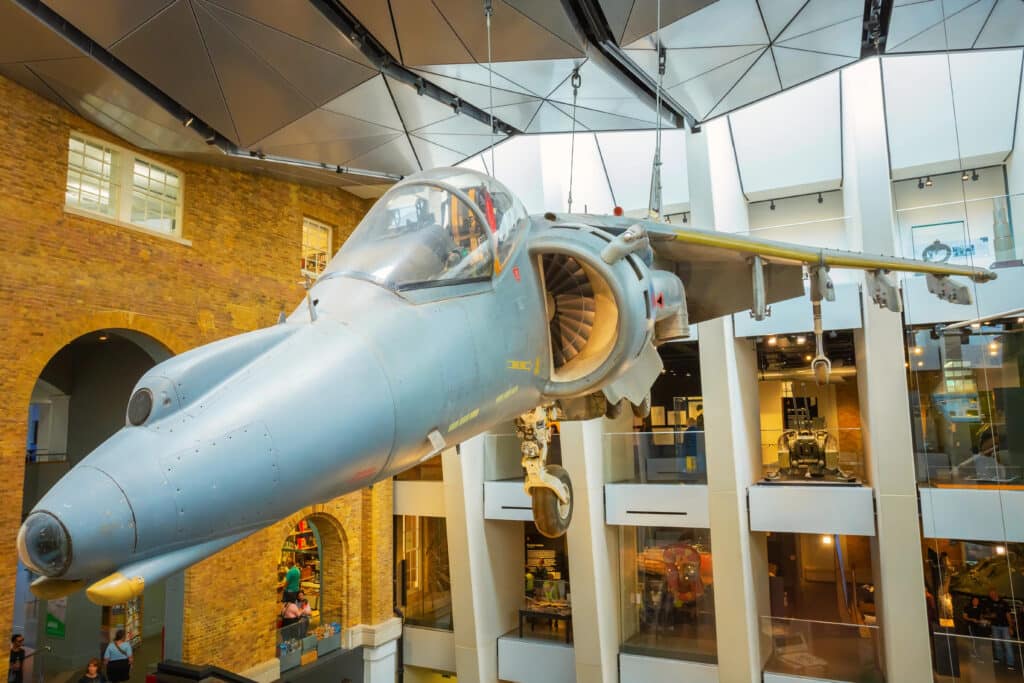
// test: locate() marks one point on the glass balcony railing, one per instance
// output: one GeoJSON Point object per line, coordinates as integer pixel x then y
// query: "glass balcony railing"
{"type": "Point", "coordinates": [503, 456]}
{"type": "Point", "coordinates": [666, 455]}
{"type": "Point", "coordinates": [813, 455]}
{"type": "Point", "coordinates": [976, 658]}
{"type": "Point", "coordinates": [546, 612]}
{"type": "Point", "coordinates": [823, 650]}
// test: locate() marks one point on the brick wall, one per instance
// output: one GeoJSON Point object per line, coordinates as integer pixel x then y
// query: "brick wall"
{"type": "Point", "coordinates": [63, 275]}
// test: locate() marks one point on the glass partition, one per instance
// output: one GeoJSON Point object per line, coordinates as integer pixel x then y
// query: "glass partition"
{"type": "Point", "coordinates": [974, 595]}
{"type": "Point", "coordinates": [667, 593]}
{"type": "Point", "coordinates": [810, 433]}
{"type": "Point", "coordinates": [667, 455]}
{"type": "Point", "coordinates": [967, 402]}
{"type": "Point", "coordinates": [823, 650]}
{"type": "Point", "coordinates": [423, 591]}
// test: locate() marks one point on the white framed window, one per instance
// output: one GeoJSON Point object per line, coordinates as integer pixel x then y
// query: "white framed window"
{"type": "Point", "coordinates": [316, 246]}
{"type": "Point", "coordinates": [121, 186]}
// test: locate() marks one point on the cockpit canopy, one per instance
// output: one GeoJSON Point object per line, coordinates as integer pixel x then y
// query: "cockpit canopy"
{"type": "Point", "coordinates": [440, 227]}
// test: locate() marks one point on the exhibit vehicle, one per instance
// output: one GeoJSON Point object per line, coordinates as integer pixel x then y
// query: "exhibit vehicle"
{"type": "Point", "coordinates": [808, 453]}
{"type": "Point", "coordinates": [447, 312]}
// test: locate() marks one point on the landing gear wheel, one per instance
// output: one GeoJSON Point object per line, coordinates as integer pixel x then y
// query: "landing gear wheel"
{"type": "Point", "coordinates": [550, 515]}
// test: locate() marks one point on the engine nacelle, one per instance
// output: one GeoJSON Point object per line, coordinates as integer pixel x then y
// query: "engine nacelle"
{"type": "Point", "coordinates": [601, 316]}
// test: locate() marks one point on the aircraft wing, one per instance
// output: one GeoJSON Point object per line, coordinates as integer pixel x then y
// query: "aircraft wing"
{"type": "Point", "coordinates": [716, 267]}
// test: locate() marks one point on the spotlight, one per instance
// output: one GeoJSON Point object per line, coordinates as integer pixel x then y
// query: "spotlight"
{"type": "Point", "coordinates": [820, 198]}
{"type": "Point", "coordinates": [974, 175]}
{"type": "Point", "coordinates": [833, 335]}
{"type": "Point", "coordinates": [920, 363]}
{"type": "Point", "coordinates": [772, 205]}
{"type": "Point", "coordinates": [920, 184]}
{"type": "Point", "coordinates": [928, 181]}
{"type": "Point", "coordinates": [826, 540]}
{"type": "Point", "coordinates": [189, 121]}
{"type": "Point", "coordinates": [964, 176]}
{"type": "Point", "coordinates": [917, 350]}
{"type": "Point", "coordinates": [1000, 550]}
{"type": "Point", "coordinates": [993, 346]}
{"type": "Point", "coordinates": [686, 216]}
{"type": "Point", "coordinates": [807, 357]}
{"type": "Point", "coordinates": [103, 337]}
{"type": "Point", "coordinates": [772, 341]}
{"type": "Point", "coordinates": [1020, 320]}
{"type": "Point", "coordinates": [906, 365]}
{"type": "Point", "coordinates": [801, 339]}
{"type": "Point", "coordinates": [975, 326]}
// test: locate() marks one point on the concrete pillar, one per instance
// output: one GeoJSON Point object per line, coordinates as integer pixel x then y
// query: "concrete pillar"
{"type": "Point", "coordinates": [593, 554]}
{"type": "Point", "coordinates": [485, 562]}
{"type": "Point", "coordinates": [732, 424]}
{"type": "Point", "coordinates": [380, 663]}
{"type": "Point", "coordinates": [884, 400]}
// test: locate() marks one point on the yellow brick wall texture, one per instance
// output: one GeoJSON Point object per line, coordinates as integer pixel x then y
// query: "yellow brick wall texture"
{"type": "Point", "coordinates": [63, 275]}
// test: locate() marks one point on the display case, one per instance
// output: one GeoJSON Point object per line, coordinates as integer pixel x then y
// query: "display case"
{"type": "Point", "coordinates": [810, 433]}
{"type": "Point", "coordinates": [667, 593]}
{"type": "Point", "coordinates": [423, 580]}
{"type": "Point", "coordinates": [670, 454]}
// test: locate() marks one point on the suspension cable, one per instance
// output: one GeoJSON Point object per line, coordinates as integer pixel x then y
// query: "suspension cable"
{"type": "Point", "coordinates": [654, 204]}
{"type": "Point", "coordinates": [488, 11]}
{"type": "Point", "coordinates": [576, 82]}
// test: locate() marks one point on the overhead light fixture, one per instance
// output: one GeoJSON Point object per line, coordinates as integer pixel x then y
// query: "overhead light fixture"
{"type": "Point", "coordinates": [920, 363]}
{"type": "Point", "coordinates": [917, 350]}
{"type": "Point", "coordinates": [1000, 550]}
{"type": "Point", "coordinates": [801, 339]}
{"type": "Point", "coordinates": [772, 341]}
{"type": "Point", "coordinates": [820, 198]}
{"type": "Point", "coordinates": [928, 181]}
{"type": "Point", "coordinates": [826, 540]}
{"type": "Point", "coordinates": [772, 205]}
{"type": "Point", "coordinates": [964, 176]}
{"type": "Point", "coordinates": [906, 365]}
{"type": "Point", "coordinates": [1020, 320]}
{"type": "Point", "coordinates": [807, 357]}
{"type": "Point", "coordinates": [686, 216]}
{"type": "Point", "coordinates": [975, 326]}
{"type": "Point", "coordinates": [993, 346]}
{"type": "Point", "coordinates": [920, 184]}
{"type": "Point", "coordinates": [189, 121]}
{"type": "Point", "coordinates": [974, 175]}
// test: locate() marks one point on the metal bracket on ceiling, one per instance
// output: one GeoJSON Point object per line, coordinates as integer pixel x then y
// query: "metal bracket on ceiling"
{"type": "Point", "coordinates": [590, 18]}
{"type": "Point", "coordinates": [339, 15]}
{"type": "Point", "coordinates": [877, 14]}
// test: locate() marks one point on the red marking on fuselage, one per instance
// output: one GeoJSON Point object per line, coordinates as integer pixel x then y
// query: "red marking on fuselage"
{"type": "Point", "coordinates": [515, 273]}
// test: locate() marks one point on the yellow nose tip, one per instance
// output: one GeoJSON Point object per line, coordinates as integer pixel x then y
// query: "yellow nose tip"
{"type": "Point", "coordinates": [115, 589]}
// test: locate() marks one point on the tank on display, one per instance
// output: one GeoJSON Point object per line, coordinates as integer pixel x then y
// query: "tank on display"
{"type": "Point", "coordinates": [448, 312]}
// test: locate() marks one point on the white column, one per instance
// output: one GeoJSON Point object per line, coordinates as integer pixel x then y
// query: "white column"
{"type": "Point", "coordinates": [485, 562]}
{"type": "Point", "coordinates": [593, 553]}
{"type": "Point", "coordinates": [380, 663]}
{"type": "Point", "coordinates": [885, 410]}
{"type": "Point", "coordinates": [732, 423]}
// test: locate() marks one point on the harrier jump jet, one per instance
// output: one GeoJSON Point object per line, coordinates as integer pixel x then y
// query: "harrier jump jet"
{"type": "Point", "coordinates": [449, 311]}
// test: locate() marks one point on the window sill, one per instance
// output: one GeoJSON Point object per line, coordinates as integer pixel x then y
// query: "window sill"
{"type": "Point", "coordinates": [121, 224]}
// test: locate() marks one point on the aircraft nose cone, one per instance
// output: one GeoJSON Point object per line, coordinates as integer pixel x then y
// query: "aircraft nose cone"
{"type": "Point", "coordinates": [44, 545]}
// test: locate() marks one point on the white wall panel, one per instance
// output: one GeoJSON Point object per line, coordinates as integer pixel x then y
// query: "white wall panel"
{"type": "Point", "coordinates": [628, 156]}
{"type": "Point", "coordinates": [791, 143]}
{"type": "Point", "coordinates": [534, 661]}
{"type": "Point", "coordinates": [419, 498]}
{"type": "Point", "coordinates": [429, 648]}
{"type": "Point", "coordinates": [507, 500]}
{"type": "Point", "coordinates": [673, 505]}
{"type": "Point", "coordinates": [812, 509]}
{"type": "Point", "coordinates": [639, 669]}
{"type": "Point", "coordinates": [796, 315]}
{"type": "Point", "coordinates": [973, 514]}
{"type": "Point", "coordinates": [936, 124]}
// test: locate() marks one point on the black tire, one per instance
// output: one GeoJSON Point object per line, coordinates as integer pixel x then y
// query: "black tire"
{"type": "Point", "coordinates": [549, 515]}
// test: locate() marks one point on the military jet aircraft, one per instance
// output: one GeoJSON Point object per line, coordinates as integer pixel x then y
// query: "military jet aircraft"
{"type": "Point", "coordinates": [448, 311]}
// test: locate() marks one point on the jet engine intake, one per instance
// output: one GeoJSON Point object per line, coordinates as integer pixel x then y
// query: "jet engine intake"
{"type": "Point", "coordinates": [600, 315]}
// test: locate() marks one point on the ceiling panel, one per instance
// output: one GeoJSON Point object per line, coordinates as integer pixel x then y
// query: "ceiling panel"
{"type": "Point", "coordinates": [370, 102]}
{"type": "Point", "coordinates": [396, 157]}
{"type": "Point", "coordinates": [24, 39]}
{"type": "Point", "coordinates": [797, 66]}
{"type": "Point", "coordinates": [760, 81]}
{"type": "Point", "coordinates": [319, 74]}
{"type": "Point", "coordinates": [1005, 27]}
{"type": "Point", "coordinates": [108, 21]}
{"type": "Point", "coordinates": [633, 19]}
{"type": "Point", "coordinates": [778, 15]}
{"type": "Point", "coordinates": [700, 95]}
{"type": "Point", "coordinates": [939, 25]}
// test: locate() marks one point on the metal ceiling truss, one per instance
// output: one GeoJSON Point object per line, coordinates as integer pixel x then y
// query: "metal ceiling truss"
{"type": "Point", "coordinates": [592, 22]}
{"type": "Point", "coordinates": [877, 15]}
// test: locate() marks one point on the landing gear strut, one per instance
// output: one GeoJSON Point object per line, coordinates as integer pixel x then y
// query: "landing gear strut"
{"type": "Point", "coordinates": [548, 485]}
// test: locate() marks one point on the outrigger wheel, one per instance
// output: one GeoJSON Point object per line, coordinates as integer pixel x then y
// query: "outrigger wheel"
{"type": "Point", "coordinates": [549, 486]}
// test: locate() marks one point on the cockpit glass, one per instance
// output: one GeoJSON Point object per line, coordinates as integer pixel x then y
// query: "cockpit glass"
{"type": "Point", "coordinates": [422, 235]}
{"type": "Point", "coordinates": [418, 236]}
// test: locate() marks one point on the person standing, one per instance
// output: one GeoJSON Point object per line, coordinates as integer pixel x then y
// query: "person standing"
{"type": "Point", "coordinates": [974, 615]}
{"type": "Point", "coordinates": [92, 673]}
{"type": "Point", "coordinates": [1000, 614]}
{"type": "Point", "coordinates": [16, 664]}
{"type": "Point", "coordinates": [118, 658]}
{"type": "Point", "coordinates": [292, 579]}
